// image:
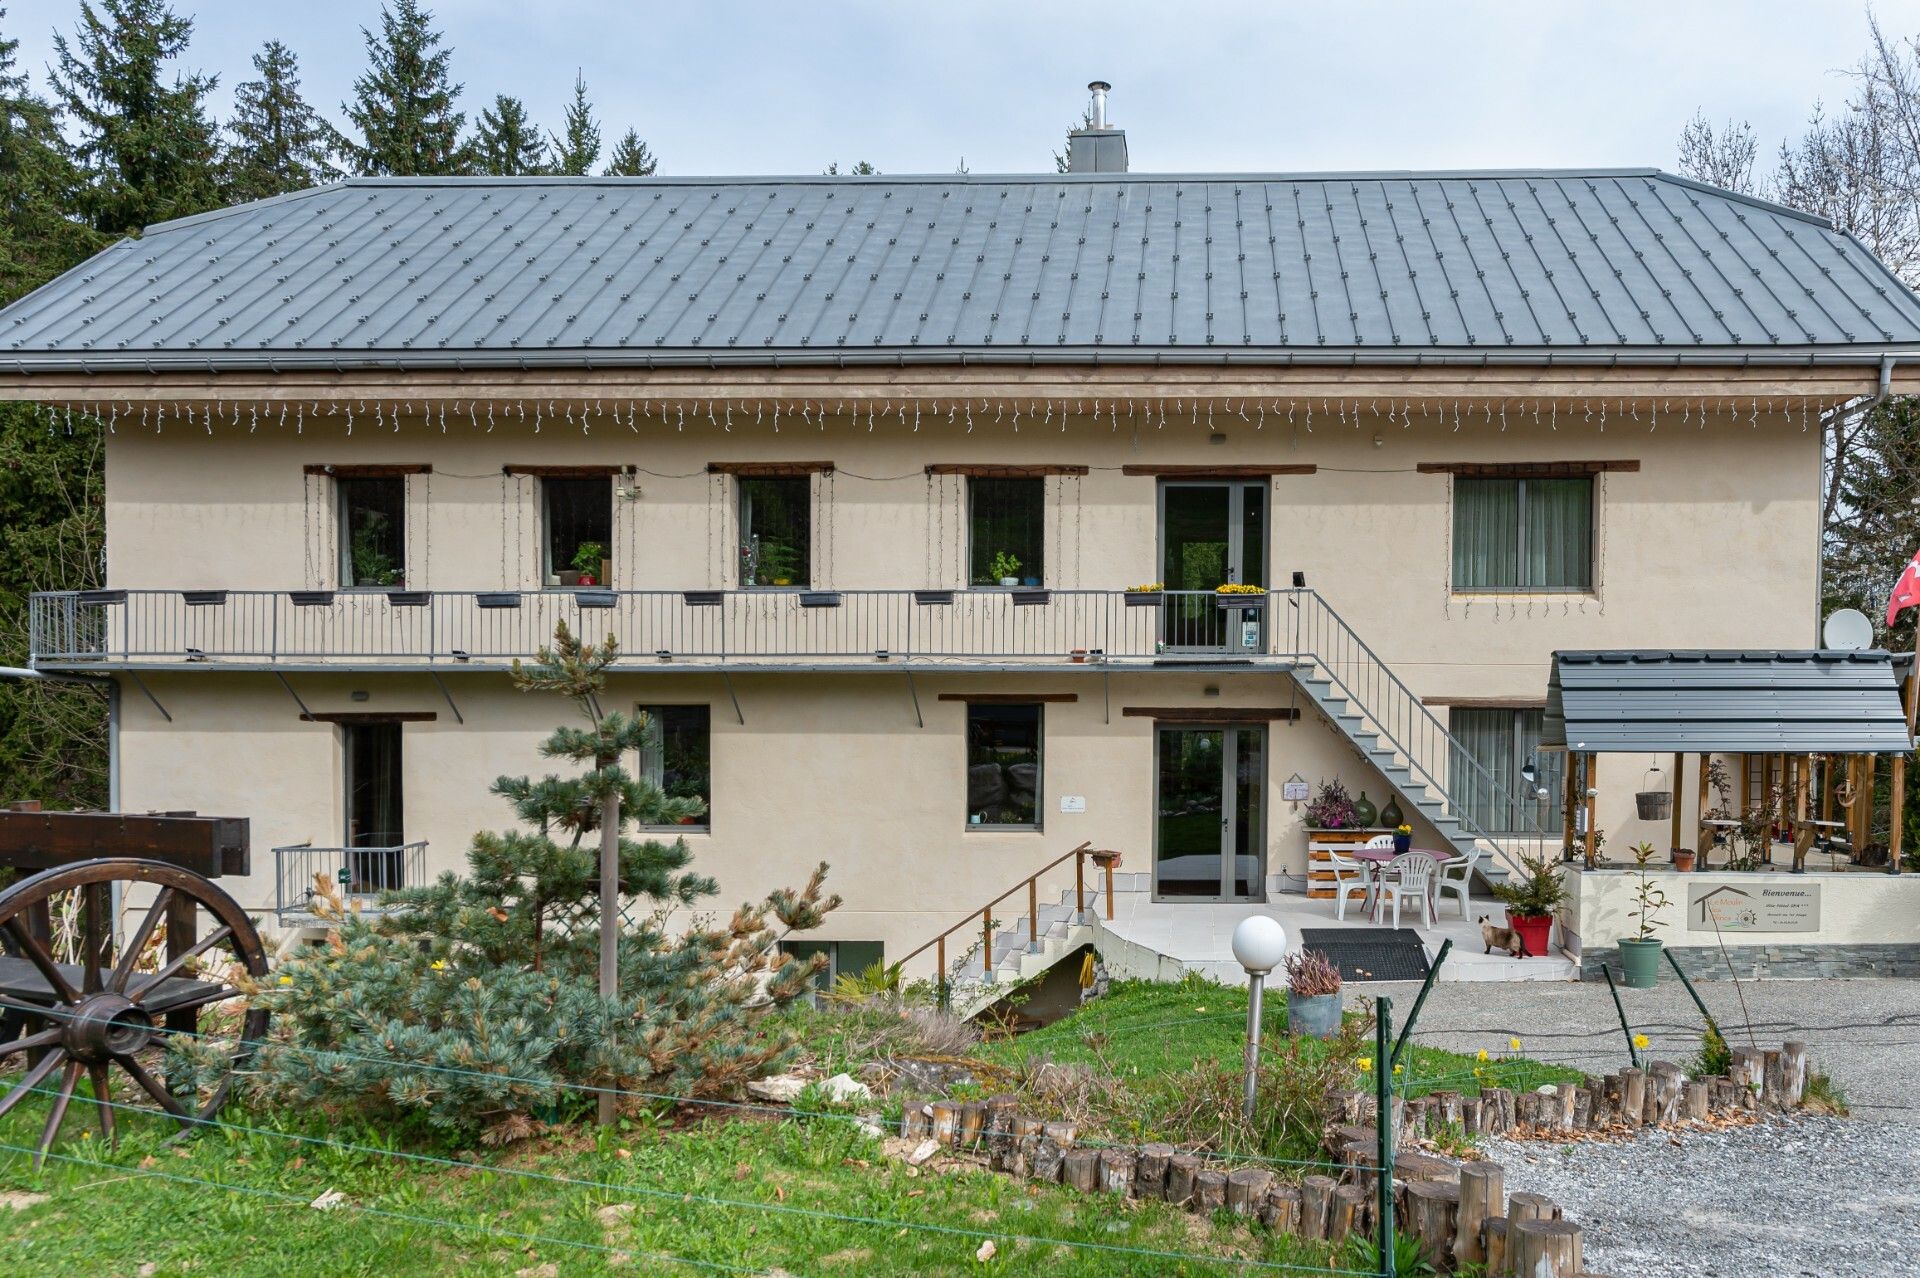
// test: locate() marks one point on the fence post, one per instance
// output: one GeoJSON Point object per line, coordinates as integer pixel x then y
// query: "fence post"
{"type": "Point", "coordinates": [1383, 1125]}
{"type": "Point", "coordinates": [1633, 1053]}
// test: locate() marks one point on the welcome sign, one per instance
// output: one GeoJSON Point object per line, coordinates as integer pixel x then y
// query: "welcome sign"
{"type": "Point", "coordinates": [1763, 906]}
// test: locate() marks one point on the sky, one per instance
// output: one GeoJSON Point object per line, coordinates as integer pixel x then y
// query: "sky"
{"type": "Point", "coordinates": [738, 87]}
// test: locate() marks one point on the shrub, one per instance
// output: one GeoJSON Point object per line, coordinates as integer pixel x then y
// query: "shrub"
{"type": "Point", "coordinates": [1311, 973]}
{"type": "Point", "coordinates": [474, 1001]}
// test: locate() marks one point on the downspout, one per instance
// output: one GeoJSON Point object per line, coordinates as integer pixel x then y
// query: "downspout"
{"type": "Point", "coordinates": [113, 716]}
{"type": "Point", "coordinates": [1884, 389]}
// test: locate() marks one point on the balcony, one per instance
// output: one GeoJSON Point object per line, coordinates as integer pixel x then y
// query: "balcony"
{"type": "Point", "coordinates": [729, 629]}
{"type": "Point", "coordinates": [359, 874]}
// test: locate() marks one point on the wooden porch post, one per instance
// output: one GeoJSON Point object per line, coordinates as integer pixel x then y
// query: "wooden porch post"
{"type": "Point", "coordinates": [1679, 773]}
{"type": "Point", "coordinates": [1895, 843]}
{"type": "Point", "coordinates": [1569, 778]}
{"type": "Point", "coordinates": [1746, 797]}
{"type": "Point", "coordinates": [1802, 832]}
{"type": "Point", "coordinates": [1593, 786]}
{"type": "Point", "coordinates": [1702, 833]}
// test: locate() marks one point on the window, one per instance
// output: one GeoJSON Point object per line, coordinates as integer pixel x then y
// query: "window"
{"type": "Point", "coordinates": [373, 526]}
{"type": "Point", "coordinates": [844, 958]}
{"type": "Point", "coordinates": [1503, 742]}
{"type": "Point", "coordinates": [1007, 531]}
{"type": "Point", "coordinates": [375, 811]}
{"type": "Point", "coordinates": [776, 531]}
{"type": "Point", "coordinates": [579, 518]}
{"type": "Point", "coordinates": [677, 756]}
{"type": "Point", "coordinates": [1522, 534]}
{"type": "Point", "coordinates": [1003, 766]}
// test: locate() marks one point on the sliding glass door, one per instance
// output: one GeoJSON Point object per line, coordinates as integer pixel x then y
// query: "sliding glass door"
{"type": "Point", "coordinates": [1210, 812]}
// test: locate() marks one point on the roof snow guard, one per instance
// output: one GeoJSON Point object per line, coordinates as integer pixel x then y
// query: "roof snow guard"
{"type": "Point", "coordinates": [1805, 702]}
{"type": "Point", "coordinates": [1392, 268]}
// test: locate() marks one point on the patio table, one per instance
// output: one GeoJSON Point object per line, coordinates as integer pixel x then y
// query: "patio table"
{"type": "Point", "coordinates": [1376, 861]}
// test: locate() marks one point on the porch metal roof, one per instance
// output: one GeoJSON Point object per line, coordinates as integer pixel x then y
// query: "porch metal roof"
{"type": "Point", "coordinates": [1793, 702]}
{"type": "Point", "coordinates": [1395, 268]}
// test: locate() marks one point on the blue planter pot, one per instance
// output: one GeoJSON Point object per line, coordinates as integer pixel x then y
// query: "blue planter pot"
{"type": "Point", "coordinates": [1318, 1016]}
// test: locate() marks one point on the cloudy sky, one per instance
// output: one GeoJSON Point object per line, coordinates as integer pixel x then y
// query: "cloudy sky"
{"type": "Point", "coordinates": [727, 86]}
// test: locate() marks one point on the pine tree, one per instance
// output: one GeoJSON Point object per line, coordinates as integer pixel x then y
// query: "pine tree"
{"type": "Point", "coordinates": [39, 184]}
{"type": "Point", "coordinates": [475, 1000]}
{"type": "Point", "coordinates": [147, 148]}
{"type": "Point", "coordinates": [403, 103]}
{"type": "Point", "coordinates": [577, 148]}
{"type": "Point", "coordinates": [507, 143]}
{"type": "Point", "coordinates": [861, 168]}
{"type": "Point", "coordinates": [631, 157]}
{"type": "Point", "coordinates": [279, 142]}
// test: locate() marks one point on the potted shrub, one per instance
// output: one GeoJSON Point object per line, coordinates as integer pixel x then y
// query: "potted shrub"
{"type": "Point", "coordinates": [1531, 900]}
{"type": "Point", "coordinates": [1313, 994]}
{"type": "Point", "coordinates": [1683, 860]}
{"type": "Point", "coordinates": [1640, 953]}
{"type": "Point", "coordinates": [586, 563]}
{"type": "Point", "coordinates": [372, 566]}
{"type": "Point", "coordinates": [1005, 568]}
{"type": "Point", "coordinates": [1332, 808]}
{"type": "Point", "coordinates": [779, 563]}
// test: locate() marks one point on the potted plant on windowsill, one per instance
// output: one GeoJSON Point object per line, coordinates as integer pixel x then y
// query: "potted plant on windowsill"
{"type": "Point", "coordinates": [1640, 953]}
{"type": "Point", "coordinates": [372, 566]}
{"type": "Point", "coordinates": [1005, 568]}
{"type": "Point", "coordinates": [1313, 994]}
{"type": "Point", "coordinates": [586, 563]}
{"type": "Point", "coordinates": [1150, 595]}
{"type": "Point", "coordinates": [1531, 901]}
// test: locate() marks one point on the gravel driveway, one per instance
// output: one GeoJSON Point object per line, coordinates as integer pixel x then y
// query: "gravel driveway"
{"type": "Point", "coordinates": [1821, 1197]}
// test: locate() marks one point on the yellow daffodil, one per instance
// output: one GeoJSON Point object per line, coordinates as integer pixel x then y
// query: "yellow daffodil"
{"type": "Point", "coordinates": [286, 980]}
{"type": "Point", "coordinates": [438, 965]}
{"type": "Point", "coordinates": [1397, 1068]}
{"type": "Point", "coordinates": [1513, 1044]}
{"type": "Point", "coordinates": [1481, 1054]}
{"type": "Point", "coordinates": [1640, 1041]}
{"type": "Point", "coordinates": [1365, 1063]}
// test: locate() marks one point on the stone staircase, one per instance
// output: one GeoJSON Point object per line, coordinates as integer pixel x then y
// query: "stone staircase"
{"type": "Point", "coordinates": [1017, 957]}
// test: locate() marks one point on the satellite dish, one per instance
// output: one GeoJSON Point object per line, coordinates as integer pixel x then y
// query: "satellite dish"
{"type": "Point", "coordinates": [1848, 629]}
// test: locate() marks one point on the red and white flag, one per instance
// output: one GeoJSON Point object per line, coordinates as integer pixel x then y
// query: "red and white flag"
{"type": "Point", "coordinates": [1906, 591]}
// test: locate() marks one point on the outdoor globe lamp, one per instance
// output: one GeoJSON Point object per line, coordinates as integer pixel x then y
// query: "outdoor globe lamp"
{"type": "Point", "coordinates": [1259, 945]}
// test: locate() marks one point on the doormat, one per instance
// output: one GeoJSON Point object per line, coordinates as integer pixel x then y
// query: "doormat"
{"type": "Point", "coordinates": [1370, 953]}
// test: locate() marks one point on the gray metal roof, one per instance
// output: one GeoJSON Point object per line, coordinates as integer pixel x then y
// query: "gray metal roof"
{"type": "Point", "coordinates": [1601, 266]}
{"type": "Point", "coordinates": [1800, 702]}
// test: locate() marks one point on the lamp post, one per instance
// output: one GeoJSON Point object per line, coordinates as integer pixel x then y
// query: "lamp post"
{"type": "Point", "coordinates": [1259, 944]}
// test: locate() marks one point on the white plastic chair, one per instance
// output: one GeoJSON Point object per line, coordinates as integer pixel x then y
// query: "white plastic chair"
{"type": "Point", "coordinates": [1349, 876]}
{"type": "Point", "coordinates": [1407, 875]}
{"type": "Point", "coordinates": [1455, 878]}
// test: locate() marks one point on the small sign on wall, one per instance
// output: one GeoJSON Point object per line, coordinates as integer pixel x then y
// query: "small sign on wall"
{"type": "Point", "coordinates": [1073, 803]}
{"type": "Point", "coordinates": [1295, 791]}
{"type": "Point", "coordinates": [1763, 907]}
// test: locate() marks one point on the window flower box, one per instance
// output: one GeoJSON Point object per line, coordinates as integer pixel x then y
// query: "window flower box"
{"type": "Point", "coordinates": [310, 598]}
{"type": "Point", "coordinates": [204, 598]}
{"type": "Point", "coordinates": [589, 598]}
{"type": "Point", "coordinates": [701, 598]}
{"type": "Point", "coordinates": [407, 598]}
{"type": "Point", "coordinates": [1029, 598]}
{"type": "Point", "coordinates": [932, 597]}
{"type": "Point", "coordinates": [819, 599]}
{"type": "Point", "coordinates": [498, 599]}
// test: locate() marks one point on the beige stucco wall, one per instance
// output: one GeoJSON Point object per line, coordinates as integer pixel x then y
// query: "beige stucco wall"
{"type": "Point", "coordinates": [1855, 909]}
{"type": "Point", "coordinates": [1711, 543]}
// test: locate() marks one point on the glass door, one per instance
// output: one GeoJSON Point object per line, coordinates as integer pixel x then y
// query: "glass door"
{"type": "Point", "coordinates": [1211, 533]}
{"type": "Point", "coordinates": [1209, 813]}
{"type": "Point", "coordinates": [375, 818]}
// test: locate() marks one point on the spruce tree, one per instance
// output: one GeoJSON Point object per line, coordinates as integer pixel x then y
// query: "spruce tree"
{"type": "Point", "coordinates": [576, 149]}
{"type": "Point", "coordinates": [39, 185]}
{"type": "Point", "coordinates": [860, 168]}
{"type": "Point", "coordinates": [474, 1000]}
{"type": "Point", "coordinates": [631, 157]}
{"type": "Point", "coordinates": [403, 103]}
{"type": "Point", "coordinates": [507, 143]}
{"type": "Point", "coordinates": [147, 148]}
{"type": "Point", "coordinates": [279, 142]}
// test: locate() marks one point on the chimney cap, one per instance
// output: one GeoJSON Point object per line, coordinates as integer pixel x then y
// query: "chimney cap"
{"type": "Point", "coordinates": [1098, 86]}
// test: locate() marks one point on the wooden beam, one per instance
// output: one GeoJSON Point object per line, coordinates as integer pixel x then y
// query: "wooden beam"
{"type": "Point", "coordinates": [207, 845]}
{"type": "Point", "coordinates": [1211, 714]}
{"type": "Point", "coordinates": [770, 470]}
{"type": "Point", "coordinates": [1569, 780]}
{"type": "Point", "coordinates": [1527, 470]}
{"type": "Point", "coordinates": [565, 472]}
{"type": "Point", "coordinates": [1702, 832]}
{"type": "Point", "coordinates": [982, 471]}
{"type": "Point", "coordinates": [1486, 703]}
{"type": "Point", "coordinates": [354, 717]}
{"type": "Point", "coordinates": [1679, 799]}
{"type": "Point", "coordinates": [1593, 798]}
{"type": "Point", "coordinates": [1009, 698]}
{"type": "Point", "coordinates": [1896, 842]}
{"type": "Point", "coordinates": [356, 470]}
{"type": "Point", "coordinates": [1802, 832]}
{"type": "Point", "coordinates": [1219, 472]}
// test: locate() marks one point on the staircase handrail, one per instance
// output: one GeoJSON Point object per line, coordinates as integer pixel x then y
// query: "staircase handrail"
{"type": "Point", "coordinates": [1079, 856]}
{"type": "Point", "coordinates": [1417, 711]}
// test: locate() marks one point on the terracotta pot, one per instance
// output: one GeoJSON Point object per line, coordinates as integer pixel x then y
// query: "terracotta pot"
{"type": "Point", "coordinates": [1683, 860]}
{"type": "Point", "coordinates": [1536, 932]}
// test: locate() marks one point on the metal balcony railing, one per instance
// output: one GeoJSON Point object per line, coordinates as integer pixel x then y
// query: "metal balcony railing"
{"type": "Point", "coordinates": [360, 875]}
{"type": "Point", "coordinates": [378, 627]}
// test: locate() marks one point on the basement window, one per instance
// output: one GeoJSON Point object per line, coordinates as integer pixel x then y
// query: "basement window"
{"type": "Point", "coordinates": [776, 531]}
{"type": "Point", "coordinates": [1006, 529]}
{"type": "Point", "coordinates": [844, 958]}
{"type": "Point", "coordinates": [1003, 766]}
{"type": "Point", "coordinates": [373, 531]}
{"type": "Point", "coordinates": [579, 523]}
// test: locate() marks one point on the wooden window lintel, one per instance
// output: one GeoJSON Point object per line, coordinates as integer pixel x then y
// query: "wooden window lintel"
{"type": "Point", "coordinates": [352, 718]}
{"type": "Point", "coordinates": [377, 470]}
{"type": "Point", "coordinates": [1009, 698]}
{"type": "Point", "coordinates": [1220, 472]}
{"type": "Point", "coordinates": [770, 470]}
{"type": "Point", "coordinates": [986, 471]}
{"type": "Point", "coordinates": [566, 472]}
{"type": "Point", "coordinates": [1211, 714]}
{"type": "Point", "coordinates": [1527, 470]}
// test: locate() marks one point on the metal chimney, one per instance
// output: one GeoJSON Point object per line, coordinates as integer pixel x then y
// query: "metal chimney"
{"type": "Point", "coordinates": [1098, 148]}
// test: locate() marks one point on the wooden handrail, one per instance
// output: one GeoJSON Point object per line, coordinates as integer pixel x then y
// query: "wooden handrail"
{"type": "Point", "coordinates": [1106, 860]}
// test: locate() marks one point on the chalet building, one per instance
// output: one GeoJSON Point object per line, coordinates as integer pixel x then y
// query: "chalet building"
{"type": "Point", "coordinates": [862, 474]}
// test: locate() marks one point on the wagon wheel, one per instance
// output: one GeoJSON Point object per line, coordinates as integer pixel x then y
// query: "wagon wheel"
{"type": "Point", "coordinates": [91, 1008]}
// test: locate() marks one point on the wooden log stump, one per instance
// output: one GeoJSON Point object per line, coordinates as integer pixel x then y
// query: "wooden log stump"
{"type": "Point", "coordinates": [1545, 1249]}
{"type": "Point", "coordinates": [1117, 1168]}
{"type": "Point", "coordinates": [1666, 1088]}
{"type": "Point", "coordinates": [1493, 1233]}
{"type": "Point", "coordinates": [1282, 1214]}
{"type": "Point", "coordinates": [1582, 1108]}
{"type": "Point", "coordinates": [970, 1122]}
{"type": "Point", "coordinates": [1182, 1171]}
{"type": "Point", "coordinates": [1483, 1195]}
{"type": "Point", "coordinates": [1445, 1107]}
{"type": "Point", "coordinates": [1794, 1053]}
{"type": "Point", "coordinates": [1347, 1105]}
{"type": "Point", "coordinates": [1209, 1190]}
{"type": "Point", "coordinates": [1081, 1169]}
{"type": "Point", "coordinates": [1470, 1115]}
{"type": "Point", "coordinates": [1348, 1214]}
{"type": "Point", "coordinates": [1693, 1102]}
{"type": "Point", "coordinates": [1150, 1171]}
{"type": "Point", "coordinates": [1604, 1105]}
{"type": "Point", "coordinates": [1748, 1075]}
{"type": "Point", "coordinates": [1562, 1102]}
{"type": "Point", "coordinates": [914, 1122]}
{"type": "Point", "coordinates": [1414, 1124]}
{"type": "Point", "coordinates": [946, 1121]}
{"type": "Point", "coordinates": [1050, 1155]}
{"type": "Point", "coordinates": [1633, 1096]}
{"type": "Point", "coordinates": [1316, 1203]}
{"type": "Point", "coordinates": [1433, 1209]}
{"type": "Point", "coordinates": [1425, 1167]}
{"type": "Point", "coordinates": [1027, 1131]}
{"type": "Point", "coordinates": [1361, 1159]}
{"type": "Point", "coordinates": [1525, 1206]}
{"type": "Point", "coordinates": [1247, 1190]}
{"type": "Point", "coordinates": [998, 1128]}
{"type": "Point", "coordinates": [1340, 1135]}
